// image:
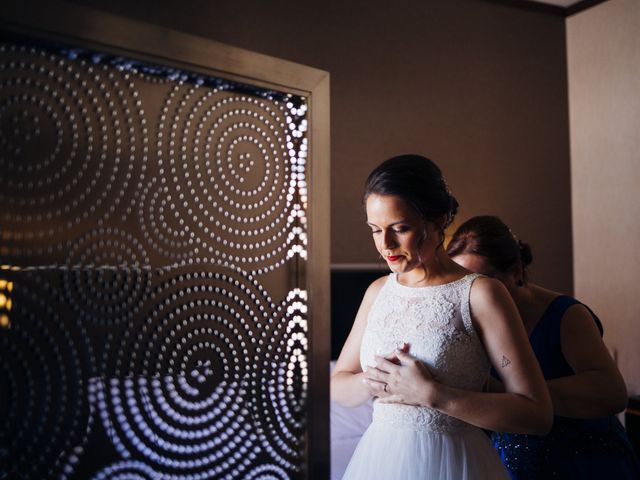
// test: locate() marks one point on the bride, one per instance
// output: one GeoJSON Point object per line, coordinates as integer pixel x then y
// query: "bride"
{"type": "Point", "coordinates": [424, 340]}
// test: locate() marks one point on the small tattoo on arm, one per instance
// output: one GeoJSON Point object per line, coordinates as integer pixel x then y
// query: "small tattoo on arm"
{"type": "Point", "coordinates": [505, 361]}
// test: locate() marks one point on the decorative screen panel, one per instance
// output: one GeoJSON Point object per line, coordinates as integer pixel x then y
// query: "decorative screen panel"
{"type": "Point", "coordinates": [153, 242]}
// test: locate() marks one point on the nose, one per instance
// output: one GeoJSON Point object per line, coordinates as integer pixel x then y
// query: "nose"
{"type": "Point", "coordinates": [388, 240]}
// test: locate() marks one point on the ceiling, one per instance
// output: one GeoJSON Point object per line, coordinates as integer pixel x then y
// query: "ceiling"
{"type": "Point", "coordinates": [559, 3]}
{"type": "Point", "coordinates": [561, 7]}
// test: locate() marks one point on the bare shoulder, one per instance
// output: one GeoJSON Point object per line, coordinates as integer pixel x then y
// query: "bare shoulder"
{"type": "Point", "coordinates": [367, 301]}
{"type": "Point", "coordinates": [371, 293]}
{"type": "Point", "coordinates": [582, 343]}
{"type": "Point", "coordinates": [490, 303]}
{"type": "Point", "coordinates": [578, 312]}
{"type": "Point", "coordinates": [487, 290]}
{"type": "Point", "coordinates": [374, 288]}
{"type": "Point", "coordinates": [578, 317]}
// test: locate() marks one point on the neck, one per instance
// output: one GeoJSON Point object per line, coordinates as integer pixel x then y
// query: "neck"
{"type": "Point", "coordinates": [532, 301]}
{"type": "Point", "coordinates": [440, 269]}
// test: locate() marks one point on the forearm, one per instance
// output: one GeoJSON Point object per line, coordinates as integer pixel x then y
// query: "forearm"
{"type": "Point", "coordinates": [348, 389]}
{"type": "Point", "coordinates": [502, 412]}
{"type": "Point", "coordinates": [591, 394]}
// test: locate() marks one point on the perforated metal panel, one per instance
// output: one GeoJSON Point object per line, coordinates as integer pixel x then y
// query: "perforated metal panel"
{"type": "Point", "coordinates": [153, 288]}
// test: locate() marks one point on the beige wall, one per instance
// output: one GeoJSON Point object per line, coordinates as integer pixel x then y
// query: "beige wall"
{"type": "Point", "coordinates": [477, 86]}
{"type": "Point", "coordinates": [604, 85]}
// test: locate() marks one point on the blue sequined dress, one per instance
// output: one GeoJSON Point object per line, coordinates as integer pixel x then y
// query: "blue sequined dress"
{"type": "Point", "coordinates": [575, 448]}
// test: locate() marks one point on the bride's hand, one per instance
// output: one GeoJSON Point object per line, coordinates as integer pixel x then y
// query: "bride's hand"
{"type": "Point", "coordinates": [401, 378]}
{"type": "Point", "coordinates": [376, 388]}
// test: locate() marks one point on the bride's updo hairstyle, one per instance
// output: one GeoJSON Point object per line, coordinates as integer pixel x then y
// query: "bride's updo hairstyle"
{"type": "Point", "coordinates": [489, 237]}
{"type": "Point", "coordinates": [419, 182]}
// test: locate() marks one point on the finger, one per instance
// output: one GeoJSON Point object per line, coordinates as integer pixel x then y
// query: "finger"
{"type": "Point", "coordinates": [375, 374]}
{"type": "Point", "coordinates": [384, 364]}
{"type": "Point", "coordinates": [405, 357]}
{"type": "Point", "coordinates": [375, 386]}
{"type": "Point", "coordinates": [392, 357]}
{"type": "Point", "coordinates": [391, 399]}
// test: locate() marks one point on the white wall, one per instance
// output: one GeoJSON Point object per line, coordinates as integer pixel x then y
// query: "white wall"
{"type": "Point", "coordinates": [603, 48]}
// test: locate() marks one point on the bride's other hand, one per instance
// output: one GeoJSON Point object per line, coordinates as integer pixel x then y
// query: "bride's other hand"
{"type": "Point", "coordinates": [401, 378]}
{"type": "Point", "coordinates": [393, 356]}
{"type": "Point", "coordinates": [377, 388]}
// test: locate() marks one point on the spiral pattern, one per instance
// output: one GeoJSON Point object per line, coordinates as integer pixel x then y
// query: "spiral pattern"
{"type": "Point", "coordinates": [177, 393]}
{"type": "Point", "coordinates": [73, 145]}
{"type": "Point", "coordinates": [127, 470]}
{"type": "Point", "coordinates": [266, 472]}
{"type": "Point", "coordinates": [45, 361]}
{"type": "Point", "coordinates": [279, 393]}
{"type": "Point", "coordinates": [231, 184]}
{"type": "Point", "coordinates": [107, 276]}
{"type": "Point", "coordinates": [151, 216]}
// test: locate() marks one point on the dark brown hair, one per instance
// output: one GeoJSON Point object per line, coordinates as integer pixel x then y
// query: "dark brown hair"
{"type": "Point", "coordinates": [491, 238]}
{"type": "Point", "coordinates": [419, 182]}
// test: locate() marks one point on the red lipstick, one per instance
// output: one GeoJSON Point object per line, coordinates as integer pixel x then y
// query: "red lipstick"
{"type": "Point", "coordinates": [393, 258]}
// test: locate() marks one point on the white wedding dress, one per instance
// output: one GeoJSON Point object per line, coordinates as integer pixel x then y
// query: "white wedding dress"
{"type": "Point", "coordinates": [407, 442]}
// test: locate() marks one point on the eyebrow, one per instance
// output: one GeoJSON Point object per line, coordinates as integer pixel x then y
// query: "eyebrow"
{"type": "Point", "coordinates": [391, 225]}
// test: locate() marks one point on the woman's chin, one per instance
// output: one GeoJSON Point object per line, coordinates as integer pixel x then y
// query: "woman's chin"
{"type": "Point", "coordinates": [397, 267]}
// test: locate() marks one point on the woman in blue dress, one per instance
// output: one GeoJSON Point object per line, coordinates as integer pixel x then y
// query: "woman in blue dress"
{"type": "Point", "coordinates": [586, 441]}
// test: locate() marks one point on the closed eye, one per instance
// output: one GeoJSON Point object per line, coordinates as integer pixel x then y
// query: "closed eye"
{"type": "Point", "coordinates": [397, 230]}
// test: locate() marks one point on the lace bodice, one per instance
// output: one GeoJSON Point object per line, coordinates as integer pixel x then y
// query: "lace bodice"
{"type": "Point", "coordinates": [436, 322]}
